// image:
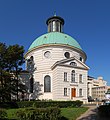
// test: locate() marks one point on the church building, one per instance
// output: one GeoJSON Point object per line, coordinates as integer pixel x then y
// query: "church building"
{"type": "Point", "coordinates": [56, 63]}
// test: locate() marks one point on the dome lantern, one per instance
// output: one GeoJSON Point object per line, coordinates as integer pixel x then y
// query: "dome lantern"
{"type": "Point", "coordinates": [55, 24]}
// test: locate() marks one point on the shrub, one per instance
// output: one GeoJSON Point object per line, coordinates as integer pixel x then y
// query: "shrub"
{"type": "Point", "coordinates": [23, 104]}
{"type": "Point", "coordinates": [21, 114]}
{"type": "Point", "coordinates": [44, 104]}
{"type": "Point", "coordinates": [3, 114]}
{"type": "Point", "coordinates": [104, 111]}
{"type": "Point", "coordinates": [8, 105]}
{"type": "Point", "coordinates": [39, 114]}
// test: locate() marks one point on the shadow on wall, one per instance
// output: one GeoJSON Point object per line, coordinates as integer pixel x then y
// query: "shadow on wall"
{"type": "Point", "coordinates": [34, 95]}
{"type": "Point", "coordinates": [34, 86]}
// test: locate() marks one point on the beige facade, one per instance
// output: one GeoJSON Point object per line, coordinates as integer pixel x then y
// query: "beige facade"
{"type": "Point", "coordinates": [97, 88]}
{"type": "Point", "coordinates": [99, 92]}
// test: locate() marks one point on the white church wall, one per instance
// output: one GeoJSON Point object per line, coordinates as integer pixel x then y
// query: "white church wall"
{"type": "Point", "coordinates": [43, 66]}
{"type": "Point", "coordinates": [60, 84]}
{"type": "Point", "coordinates": [57, 53]}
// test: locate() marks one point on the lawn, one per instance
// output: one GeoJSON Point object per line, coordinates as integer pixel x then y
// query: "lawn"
{"type": "Point", "coordinates": [73, 113]}
{"type": "Point", "coordinates": [69, 113]}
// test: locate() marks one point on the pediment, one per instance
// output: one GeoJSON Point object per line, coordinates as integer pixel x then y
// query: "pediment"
{"type": "Point", "coordinates": [71, 62]}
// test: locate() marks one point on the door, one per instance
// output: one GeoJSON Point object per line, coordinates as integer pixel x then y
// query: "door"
{"type": "Point", "coordinates": [73, 92]}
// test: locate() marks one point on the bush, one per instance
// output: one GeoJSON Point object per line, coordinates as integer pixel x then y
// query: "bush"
{"type": "Point", "coordinates": [39, 114]}
{"type": "Point", "coordinates": [21, 114]}
{"type": "Point", "coordinates": [44, 104]}
{"type": "Point", "coordinates": [23, 104]}
{"type": "Point", "coordinates": [3, 114]}
{"type": "Point", "coordinates": [104, 111]}
{"type": "Point", "coordinates": [8, 105]}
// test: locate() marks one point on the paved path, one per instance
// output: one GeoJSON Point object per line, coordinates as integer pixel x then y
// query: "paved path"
{"type": "Point", "coordinates": [90, 114]}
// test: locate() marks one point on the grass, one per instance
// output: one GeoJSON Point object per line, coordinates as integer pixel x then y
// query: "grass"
{"type": "Point", "coordinates": [11, 113]}
{"type": "Point", "coordinates": [68, 113]}
{"type": "Point", "coordinates": [73, 113]}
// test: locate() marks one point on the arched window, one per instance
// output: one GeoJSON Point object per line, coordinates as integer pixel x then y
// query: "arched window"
{"type": "Point", "coordinates": [73, 76]}
{"type": "Point", "coordinates": [47, 83]}
{"type": "Point", "coordinates": [31, 58]}
{"type": "Point", "coordinates": [73, 64]}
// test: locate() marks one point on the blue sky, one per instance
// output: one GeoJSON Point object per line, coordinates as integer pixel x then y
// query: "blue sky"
{"type": "Point", "coordinates": [87, 21]}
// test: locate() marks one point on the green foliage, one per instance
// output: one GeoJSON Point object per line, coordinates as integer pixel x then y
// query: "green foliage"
{"type": "Point", "coordinates": [8, 105]}
{"type": "Point", "coordinates": [3, 114]}
{"type": "Point", "coordinates": [39, 114]}
{"type": "Point", "coordinates": [40, 104]}
{"type": "Point", "coordinates": [11, 59]}
{"type": "Point", "coordinates": [65, 114]}
{"type": "Point", "coordinates": [15, 57]}
{"type": "Point", "coordinates": [104, 111]}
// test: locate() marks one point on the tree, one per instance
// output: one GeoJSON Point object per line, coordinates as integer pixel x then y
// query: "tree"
{"type": "Point", "coordinates": [15, 61]}
{"type": "Point", "coordinates": [3, 50]}
{"type": "Point", "coordinates": [11, 60]}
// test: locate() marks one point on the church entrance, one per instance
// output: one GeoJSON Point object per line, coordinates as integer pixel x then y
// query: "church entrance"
{"type": "Point", "coordinates": [73, 92]}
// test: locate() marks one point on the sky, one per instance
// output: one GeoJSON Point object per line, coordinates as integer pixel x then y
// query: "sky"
{"type": "Point", "coordinates": [87, 21]}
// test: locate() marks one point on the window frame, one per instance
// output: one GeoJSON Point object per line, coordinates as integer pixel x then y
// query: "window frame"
{"type": "Point", "coordinates": [65, 91]}
{"type": "Point", "coordinates": [47, 84]}
{"type": "Point", "coordinates": [80, 78]}
{"type": "Point", "coordinates": [73, 76]}
{"type": "Point", "coordinates": [67, 55]}
{"type": "Point", "coordinates": [73, 64]}
{"type": "Point", "coordinates": [65, 76]}
{"type": "Point", "coordinates": [80, 92]}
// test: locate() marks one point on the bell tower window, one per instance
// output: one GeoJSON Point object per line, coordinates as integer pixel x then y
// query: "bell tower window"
{"type": "Point", "coordinates": [55, 24]}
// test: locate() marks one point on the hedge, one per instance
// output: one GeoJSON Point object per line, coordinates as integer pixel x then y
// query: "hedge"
{"type": "Point", "coordinates": [41, 104]}
{"type": "Point", "coordinates": [8, 105]}
{"type": "Point", "coordinates": [3, 114]}
{"type": "Point", "coordinates": [104, 111]}
{"type": "Point", "coordinates": [44, 104]}
{"type": "Point", "coordinates": [39, 114]}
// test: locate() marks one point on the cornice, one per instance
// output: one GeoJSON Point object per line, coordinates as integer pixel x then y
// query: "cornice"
{"type": "Point", "coordinates": [57, 45]}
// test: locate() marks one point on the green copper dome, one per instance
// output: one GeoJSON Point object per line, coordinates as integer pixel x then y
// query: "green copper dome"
{"type": "Point", "coordinates": [55, 38]}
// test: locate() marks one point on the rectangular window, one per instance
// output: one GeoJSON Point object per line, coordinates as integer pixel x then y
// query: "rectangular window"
{"type": "Point", "coordinates": [80, 78]}
{"type": "Point", "coordinates": [65, 76]}
{"type": "Point", "coordinates": [80, 92]}
{"type": "Point", "coordinates": [73, 76]}
{"type": "Point", "coordinates": [65, 91]}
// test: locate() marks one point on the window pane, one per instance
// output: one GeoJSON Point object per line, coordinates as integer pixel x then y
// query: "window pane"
{"type": "Point", "coordinates": [65, 91]}
{"type": "Point", "coordinates": [54, 26]}
{"type": "Point", "coordinates": [65, 76]}
{"type": "Point", "coordinates": [73, 76]}
{"type": "Point", "coordinates": [47, 84]}
{"type": "Point", "coordinates": [67, 54]}
{"type": "Point", "coordinates": [80, 92]}
{"type": "Point", "coordinates": [80, 78]}
{"type": "Point", "coordinates": [73, 64]}
{"type": "Point", "coordinates": [80, 58]}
